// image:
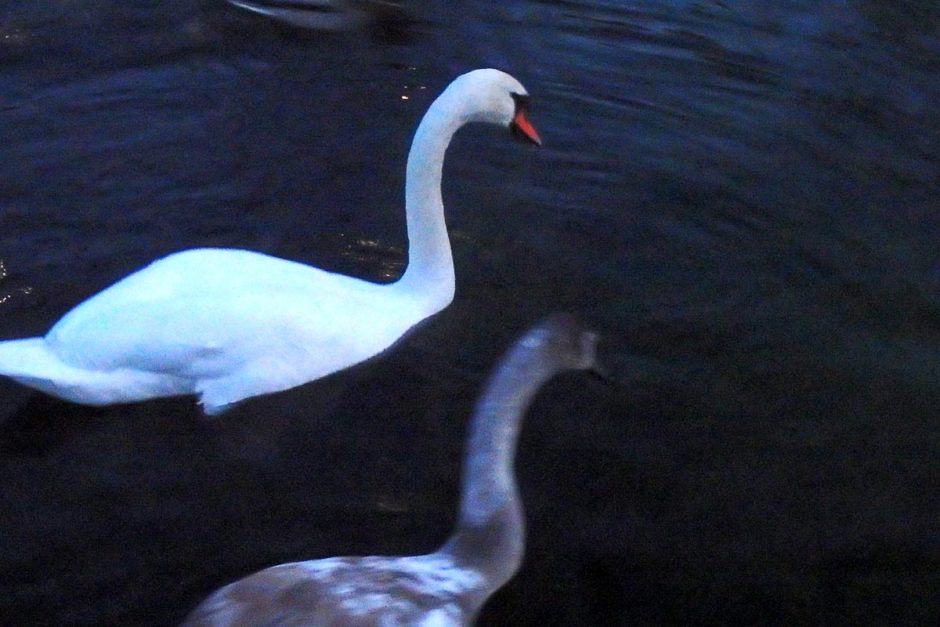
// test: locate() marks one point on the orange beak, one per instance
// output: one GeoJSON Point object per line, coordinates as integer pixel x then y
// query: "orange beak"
{"type": "Point", "coordinates": [524, 128]}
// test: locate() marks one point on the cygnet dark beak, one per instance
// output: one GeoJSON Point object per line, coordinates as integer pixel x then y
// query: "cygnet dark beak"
{"type": "Point", "coordinates": [599, 372]}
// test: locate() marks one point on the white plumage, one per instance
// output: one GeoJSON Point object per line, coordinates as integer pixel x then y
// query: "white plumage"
{"type": "Point", "coordinates": [231, 324]}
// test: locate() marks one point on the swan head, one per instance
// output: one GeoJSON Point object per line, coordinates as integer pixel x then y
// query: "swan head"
{"type": "Point", "coordinates": [562, 338]}
{"type": "Point", "coordinates": [495, 97]}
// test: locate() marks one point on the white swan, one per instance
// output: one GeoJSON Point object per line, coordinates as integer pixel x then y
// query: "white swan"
{"type": "Point", "coordinates": [449, 586]}
{"type": "Point", "coordinates": [231, 324]}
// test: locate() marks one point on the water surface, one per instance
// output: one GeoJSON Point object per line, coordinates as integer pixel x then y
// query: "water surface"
{"type": "Point", "coordinates": [741, 197]}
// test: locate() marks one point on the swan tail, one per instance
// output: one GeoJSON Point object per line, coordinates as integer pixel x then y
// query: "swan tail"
{"type": "Point", "coordinates": [28, 357]}
{"type": "Point", "coordinates": [30, 362]}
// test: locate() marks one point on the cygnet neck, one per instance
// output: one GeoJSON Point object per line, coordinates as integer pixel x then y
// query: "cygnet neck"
{"type": "Point", "coordinates": [490, 534]}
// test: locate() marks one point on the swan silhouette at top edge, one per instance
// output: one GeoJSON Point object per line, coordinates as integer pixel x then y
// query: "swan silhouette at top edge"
{"type": "Point", "coordinates": [449, 586]}
{"type": "Point", "coordinates": [228, 324]}
{"type": "Point", "coordinates": [327, 15]}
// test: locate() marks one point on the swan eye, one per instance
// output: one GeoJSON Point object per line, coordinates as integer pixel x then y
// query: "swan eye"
{"type": "Point", "coordinates": [520, 126]}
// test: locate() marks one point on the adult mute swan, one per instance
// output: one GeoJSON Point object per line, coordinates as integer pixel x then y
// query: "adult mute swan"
{"type": "Point", "coordinates": [449, 586]}
{"type": "Point", "coordinates": [230, 324]}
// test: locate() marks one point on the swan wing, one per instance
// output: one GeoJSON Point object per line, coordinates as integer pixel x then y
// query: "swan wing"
{"type": "Point", "coordinates": [204, 313]}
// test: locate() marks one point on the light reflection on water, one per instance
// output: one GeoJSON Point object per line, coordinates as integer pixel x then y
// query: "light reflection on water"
{"type": "Point", "coordinates": [385, 263]}
{"type": "Point", "coordinates": [8, 295]}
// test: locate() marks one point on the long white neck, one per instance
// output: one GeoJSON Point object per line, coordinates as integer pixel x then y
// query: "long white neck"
{"type": "Point", "coordinates": [430, 269]}
{"type": "Point", "coordinates": [490, 532]}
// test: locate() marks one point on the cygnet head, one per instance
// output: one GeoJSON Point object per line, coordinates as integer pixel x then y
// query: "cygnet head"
{"type": "Point", "coordinates": [566, 340]}
{"type": "Point", "coordinates": [495, 97]}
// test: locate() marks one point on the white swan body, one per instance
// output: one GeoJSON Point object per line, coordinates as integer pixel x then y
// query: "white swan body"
{"type": "Point", "coordinates": [231, 324]}
{"type": "Point", "coordinates": [447, 587]}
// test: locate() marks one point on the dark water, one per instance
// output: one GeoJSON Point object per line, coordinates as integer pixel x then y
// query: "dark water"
{"type": "Point", "coordinates": [741, 196]}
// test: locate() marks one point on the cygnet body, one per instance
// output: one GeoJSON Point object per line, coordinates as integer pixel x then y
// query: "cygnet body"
{"type": "Point", "coordinates": [449, 586]}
